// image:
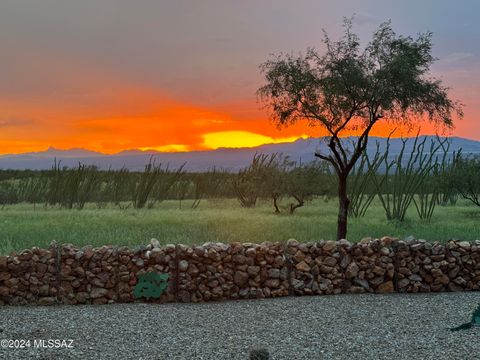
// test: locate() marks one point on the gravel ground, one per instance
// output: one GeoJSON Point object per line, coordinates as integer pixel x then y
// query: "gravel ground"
{"type": "Point", "coordinates": [413, 326]}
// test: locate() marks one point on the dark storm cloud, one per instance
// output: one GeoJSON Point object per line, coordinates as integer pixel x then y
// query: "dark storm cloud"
{"type": "Point", "coordinates": [194, 47]}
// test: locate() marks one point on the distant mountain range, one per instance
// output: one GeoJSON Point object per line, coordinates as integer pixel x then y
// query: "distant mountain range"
{"type": "Point", "coordinates": [226, 158]}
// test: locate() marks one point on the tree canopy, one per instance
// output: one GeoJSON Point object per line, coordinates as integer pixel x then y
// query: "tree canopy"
{"type": "Point", "coordinates": [350, 88]}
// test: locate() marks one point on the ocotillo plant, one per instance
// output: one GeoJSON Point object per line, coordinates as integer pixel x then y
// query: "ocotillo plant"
{"type": "Point", "coordinates": [206, 185]}
{"type": "Point", "coordinates": [88, 183]}
{"type": "Point", "coordinates": [145, 184]}
{"type": "Point", "coordinates": [120, 185]}
{"type": "Point", "coordinates": [78, 185]}
{"type": "Point", "coordinates": [180, 190]}
{"type": "Point", "coordinates": [153, 184]}
{"type": "Point", "coordinates": [429, 190]}
{"type": "Point", "coordinates": [164, 181]}
{"type": "Point", "coordinates": [71, 188]}
{"type": "Point", "coordinates": [246, 183]}
{"type": "Point", "coordinates": [360, 190]}
{"type": "Point", "coordinates": [34, 189]}
{"type": "Point", "coordinates": [54, 186]}
{"type": "Point", "coordinates": [402, 176]}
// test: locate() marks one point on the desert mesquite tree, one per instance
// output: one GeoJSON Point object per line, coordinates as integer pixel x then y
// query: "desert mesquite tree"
{"type": "Point", "coordinates": [350, 88]}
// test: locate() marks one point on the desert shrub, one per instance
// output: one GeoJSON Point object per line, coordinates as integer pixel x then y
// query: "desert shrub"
{"type": "Point", "coordinates": [467, 178]}
{"type": "Point", "coordinates": [247, 182]}
{"type": "Point", "coordinates": [305, 181]}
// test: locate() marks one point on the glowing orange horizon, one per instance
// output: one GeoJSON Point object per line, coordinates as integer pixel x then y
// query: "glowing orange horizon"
{"type": "Point", "coordinates": [228, 138]}
{"type": "Point", "coordinates": [118, 115]}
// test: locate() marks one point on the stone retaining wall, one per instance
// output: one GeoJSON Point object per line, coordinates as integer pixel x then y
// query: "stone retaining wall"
{"type": "Point", "coordinates": [70, 275]}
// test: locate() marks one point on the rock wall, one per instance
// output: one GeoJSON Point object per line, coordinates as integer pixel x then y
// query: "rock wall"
{"type": "Point", "coordinates": [235, 271]}
{"type": "Point", "coordinates": [424, 266]}
{"type": "Point", "coordinates": [70, 275]}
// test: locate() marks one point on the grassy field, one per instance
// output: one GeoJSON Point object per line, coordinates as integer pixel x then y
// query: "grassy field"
{"type": "Point", "coordinates": [218, 220]}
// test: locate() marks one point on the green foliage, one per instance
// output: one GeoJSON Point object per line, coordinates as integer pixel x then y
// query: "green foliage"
{"type": "Point", "coordinates": [466, 178]}
{"type": "Point", "coordinates": [275, 177]}
{"type": "Point", "coordinates": [305, 181]}
{"type": "Point", "coordinates": [150, 285]}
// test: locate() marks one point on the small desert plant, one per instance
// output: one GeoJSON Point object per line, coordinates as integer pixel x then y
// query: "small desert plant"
{"type": "Point", "coordinates": [259, 354]}
{"type": "Point", "coordinates": [474, 321]}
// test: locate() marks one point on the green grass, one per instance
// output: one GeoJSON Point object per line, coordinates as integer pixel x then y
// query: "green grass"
{"type": "Point", "coordinates": [218, 220]}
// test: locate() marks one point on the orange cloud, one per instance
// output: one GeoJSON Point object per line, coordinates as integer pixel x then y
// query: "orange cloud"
{"type": "Point", "coordinates": [102, 111]}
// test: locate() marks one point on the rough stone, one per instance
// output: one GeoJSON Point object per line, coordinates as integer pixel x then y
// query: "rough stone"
{"type": "Point", "coordinates": [329, 246]}
{"type": "Point", "coordinates": [272, 283]}
{"type": "Point", "coordinates": [386, 287]}
{"type": "Point", "coordinates": [297, 284]}
{"type": "Point", "coordinates": [183, 265]}
{"type": "Point", "coordinates": [98, 292]}
{"type": "Point", "coordinates": [303, 266]}
{"type": "Point", "coordinates": [274, 273]}
{"type": "Point", "coordinates": [240, 278]}
{"type": "Point", "coordinates": [292, 243]}
{"type": "Point", "coordinates": [184, 296]}
{"type": "Point", "coordinates": [155, 243]}
{"type": "Point", "coordinates": [352, 270]}
{"type": "Point", "coordinates": [330, 261]}
{"type": "Point", "coordinates": [44, 301]}
{"type": "Point", "coordinates": [299, 256]}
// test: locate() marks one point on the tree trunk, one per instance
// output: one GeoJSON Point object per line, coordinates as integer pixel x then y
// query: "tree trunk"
{"type": "Point", "coordinates": [275, 204]}
{"type": "Point", "coordinates": [344, 202]}
{"type": "Point", "coordinates": [300, 203]}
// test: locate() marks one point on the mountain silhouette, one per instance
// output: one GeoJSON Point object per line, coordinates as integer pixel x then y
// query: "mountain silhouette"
{"type": "Point", "coordinates": [231, 159]}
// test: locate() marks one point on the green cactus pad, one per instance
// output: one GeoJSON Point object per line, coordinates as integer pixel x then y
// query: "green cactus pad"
{"type": "Point", "coordinates": [150, 285]}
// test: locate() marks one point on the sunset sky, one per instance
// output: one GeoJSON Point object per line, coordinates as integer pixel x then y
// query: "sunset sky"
{"type": "Point", "coordinates": [110, 75]}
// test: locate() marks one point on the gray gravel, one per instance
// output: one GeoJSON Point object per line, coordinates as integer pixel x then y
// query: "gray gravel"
{"type": "Point", "coordinates": [413, 326]}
